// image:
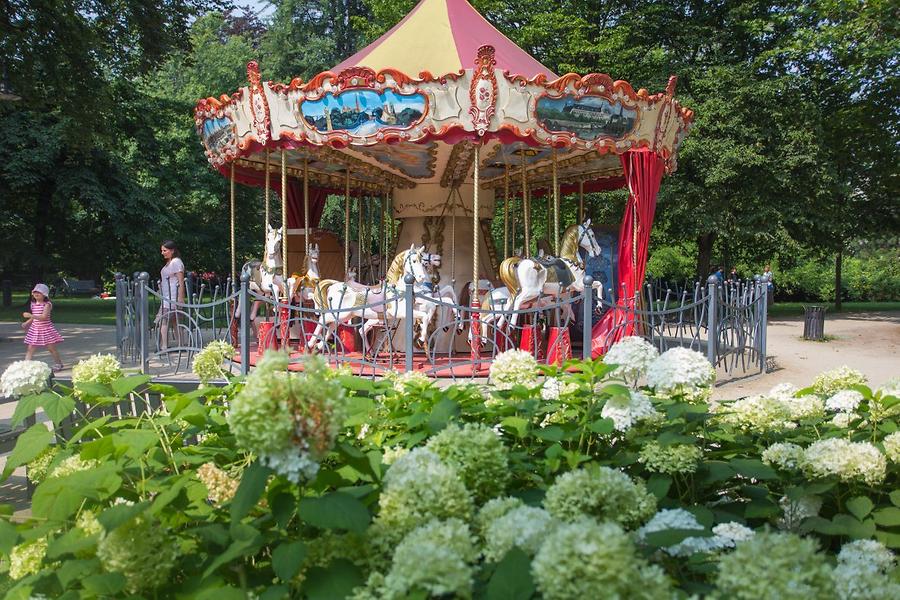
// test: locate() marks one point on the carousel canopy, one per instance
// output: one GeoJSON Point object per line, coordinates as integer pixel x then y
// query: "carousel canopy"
{"type": "Point", "coordinates": [404, 113]}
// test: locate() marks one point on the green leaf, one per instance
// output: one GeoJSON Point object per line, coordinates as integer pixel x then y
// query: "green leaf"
{"type": "Point", "coordinates": [603, 426]}
{"type": "Point", "coordinates": [895, 497]}
{"type": "Point", "coordinates": [57, 407]}
{"type": "Point", "coordinates": [283, 507]}
{"type": "Point", "coordinates": [119, 514]}
{"type": "Point", "coordinates": [753, 468]}
{"type": "Point", "coordinates": [125, 385]}
{"type": "Point", "coordinates": [170, 491]}
{"type": "Point", "coordinates": [94, 425]}
{"type": "Point", "coordinates": [287, 558]}
{"type": "Point", "coordinates": [8, 536]}
{"type": "Point", "coordinates": [855, 528]}
{"type": "Point", "coordinates": [134, 442]}
{"type": "Point", "coordinates": [25, 407]}
{"type": "Point", "coordinates": [334, 582]}
{"type": "Point", "coordinates": [441, 414]}
{"type": "Point", "coordinates": [104, 583]}
{"type": "Point", "coordinates": [94, 389]}
{"type": "Point", "coordinates": [615, 389]}
{"type": "Point", "coordinates": [860, 506]}
{"type": "Point", "coordinates": [247, 540]}
{"type": "Point", "coordinates": [57, 498]}
{"type": "Point", "coordinates": [32, 442]}
{"type": "Point", "coordinates": [75, 569]}
{"type": "Point", "coordinates": [887, 517]}
{"type": "Point", "coordinates": [517, 424]}
{"type": "Point", "coordinates": [335, 511]}
{"type": "Point", "coordinates": [670, 537]}
{"type": "Point", "coordinates": [891, 540]}
{"type": "Point", "coordinates": [551, 433]}
{"type": "Point", "coordinates": [717, 471]}
{"type": "Point", "coordinates": [250, 490]}
{"type": "Point", "coordinates": [659, 485]}
{"type": "Point", "coordinates": [276, 592]}
{"type": "Point", "coordinates": [71, 542]}
{"type": "Point", "coordinates": [512, 578]}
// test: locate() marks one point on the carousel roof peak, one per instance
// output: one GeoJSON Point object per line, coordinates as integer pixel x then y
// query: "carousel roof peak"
{"type": "Point", "coordinates": [443, 36]}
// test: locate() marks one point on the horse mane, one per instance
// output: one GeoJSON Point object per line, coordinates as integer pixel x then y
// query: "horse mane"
{"type": "Point", "coordinates": [395, 271]}
{"type": "Point", "coordinates": [568, 246]}
{"type": "Point", "coordinates": [508, 274]}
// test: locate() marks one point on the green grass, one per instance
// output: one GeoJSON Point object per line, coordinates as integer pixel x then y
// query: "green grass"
{"type": "Point", "coordinates": [793, 309]}
{"type": "Point", "coordinates": [83, 311]}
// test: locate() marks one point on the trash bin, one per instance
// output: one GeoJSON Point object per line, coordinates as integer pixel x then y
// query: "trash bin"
{"type": "Point", "coordinates": [813, 322]}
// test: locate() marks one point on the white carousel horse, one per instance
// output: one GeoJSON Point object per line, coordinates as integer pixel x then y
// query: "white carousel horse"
{"type": "Point", "coordinates": [387, 301]}
{"type": "Point", "coordinates": [527, 282]}
{"type": "Point", "coordinates": [265, 275]}
{"type": "Point", "coordinates": [306, 283]}
{"type": "Point", "coordinates": [441, 293]}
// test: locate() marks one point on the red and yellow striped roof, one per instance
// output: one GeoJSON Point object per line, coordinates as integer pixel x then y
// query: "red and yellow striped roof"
{"type": "Point", "coordinates": [442, 36]}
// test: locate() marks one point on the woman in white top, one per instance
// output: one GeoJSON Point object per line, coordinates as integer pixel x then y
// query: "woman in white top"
{"type": "Point", "coordinates": [171, 288]}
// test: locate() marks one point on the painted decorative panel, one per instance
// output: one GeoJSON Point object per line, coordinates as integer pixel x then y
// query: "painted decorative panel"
{"type": "Point", "coordinates": [363, 112]}
{"type": "Point", "coordinates": [588, 117]}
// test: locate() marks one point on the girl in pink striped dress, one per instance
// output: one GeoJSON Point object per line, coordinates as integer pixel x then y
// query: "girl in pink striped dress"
{"type": "Point", "coordinates": [41, 332]}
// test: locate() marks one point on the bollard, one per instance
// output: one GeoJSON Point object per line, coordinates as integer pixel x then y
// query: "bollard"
{"type": "Point", "coordinates": [813, 322]}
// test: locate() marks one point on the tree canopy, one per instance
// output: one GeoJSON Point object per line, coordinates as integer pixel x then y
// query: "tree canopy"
{"type": "Point", "coordinates": [795, 141]}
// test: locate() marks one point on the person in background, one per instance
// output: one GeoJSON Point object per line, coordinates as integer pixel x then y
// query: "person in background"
{"type": "Point", "coordinates": [171, 289]}
{"type": "Point", "coordinates": [40, 330]}
{"type": "Point", "coordinates": [769, 280]}
{"type": "Point", "coordinates": [720, 274]}
{"type": "Point", "coordinates": [733, 277]}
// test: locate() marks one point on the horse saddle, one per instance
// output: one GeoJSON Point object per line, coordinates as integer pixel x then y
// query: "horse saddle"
{"type": "Point", "coordinates": [557, 271]}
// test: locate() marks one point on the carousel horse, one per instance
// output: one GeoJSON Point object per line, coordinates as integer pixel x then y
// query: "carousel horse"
{"type": "Point", "coordinates": [339, 302]}
{"type": "Point", "coordinates": [441, 293]}
{"type": "Point", "coordinates": [265, 275]}
{"type": "Point", "coordinates": [307, 281]}
{"type": "Point", "coordinates": [527, 280]}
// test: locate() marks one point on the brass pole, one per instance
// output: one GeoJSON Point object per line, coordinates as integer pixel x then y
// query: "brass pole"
{"type": "Point", "coordinates": [233, 260]}
{"type": "Point", "coordinates": [359, 236]}
{"type": "Point", "coordinates": [268, 189]}
{"type": "Point", "coordinates": [347, 223]}
{"type": "Point", "coordinates": [581, 202]}
{"type": "Point", "coordinates": [384, 234]}
{"type": "Point", "coordinates": [306, 205]}
{"type": "Point", "coordinates": [526, 209]}
{"type": "Point", "coordinates": [284, 219]}
{"type": "Point", "coordinates": [475, 223]}
{"type": "Point", "coordinates": [506, 213]}
{"type": "Point", "coordinates": [555, 206]}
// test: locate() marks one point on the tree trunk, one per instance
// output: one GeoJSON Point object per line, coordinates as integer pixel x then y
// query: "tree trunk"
{"type": "Point", "coordinates": [838, 260]}
{"type": "Point", "coordinates": [704, 253]}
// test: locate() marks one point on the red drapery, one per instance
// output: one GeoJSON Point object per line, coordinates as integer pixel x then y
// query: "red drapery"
{"type": "Point", "coordinates": [317, 198]}
{"type": "Point", "coordinates": [643, 174]}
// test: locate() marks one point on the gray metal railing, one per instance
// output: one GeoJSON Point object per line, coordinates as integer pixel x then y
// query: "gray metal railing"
{"type": "Point", "coordinates": [386, 330]}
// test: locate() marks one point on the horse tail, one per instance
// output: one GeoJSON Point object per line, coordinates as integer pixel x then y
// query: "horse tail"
{"type": "Point", "coordinates": [464, 294]}
{"type": "Point", "coordinates": [508, 274]}
{"type": "Point", "coordinates": [320, 293]}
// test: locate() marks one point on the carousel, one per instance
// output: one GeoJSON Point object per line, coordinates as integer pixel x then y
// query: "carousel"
{"type": "Point", "coordinates": [429, 132]}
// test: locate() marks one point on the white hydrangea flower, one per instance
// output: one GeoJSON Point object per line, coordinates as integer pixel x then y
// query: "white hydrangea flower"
{"type": "Point", "coordinates": [846, 460]}
{"type": "Point", "coordinates": [100, 368]}
{"type": "Point", "coordinates": [729, 534]}
{"type": "Point", "coordinates": [554, 387]}
{"type": "Point", "coordinates": [626, 412]}
{"type": "Point", "coordinates": [208, 362]}
{"type": "Point", "coordinates": [795, 511]}
{"type": "Point", "coordinates": [391, 455]}
{"type": "Point", "coordinates": [803, 407]}
{"type": "Point", "coordinates": [891, 387]}
{"type": "Point", "coordinates": [892, 446]}
{"type": "Point", "coordinates": [842, 420]}
{"type": "Point", "coordinates": [862, 571]}
{"type": "Point", "coordinates": [513, 367]}
{"type": "Point", "coordinates": [26, 558]}
{"type": "Point", "coordinates": [758, 414]}
{"type": "Point", "coordinates": [678, 518]}
{"type": "Point", "coordinates": [784, 455]}
{"type": "Point", "coordinates": [844, 401]}
{"type": "Point", "coordinates": [783, 390]}
{"type": "Point", "coordinates": [681, 371]}
{"type": "Point", "coordinates": [411, 379]}
{"type": "Point", "coordinates": [632, 355]}
{"type": "Point", "coordinates": [73, 464]}
{"type": "Point", "coordinates": [524, 527]}
{"type": "Point", "coordinates": [24, 377]}
{"type": "Point", "coordinates": [835, 380]}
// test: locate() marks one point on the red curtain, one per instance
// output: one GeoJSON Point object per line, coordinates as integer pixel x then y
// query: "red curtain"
{"type": "Point", "coordinates": [643, 174]}
{"type": "Point", "coordinates": [317, 198]}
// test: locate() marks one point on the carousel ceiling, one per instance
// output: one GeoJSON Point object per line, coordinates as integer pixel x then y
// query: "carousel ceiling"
{"type": "Point", "coordinates": [371, 119]}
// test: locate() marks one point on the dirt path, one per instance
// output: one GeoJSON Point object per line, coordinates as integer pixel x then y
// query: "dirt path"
{"type": "Point", "coordinates": [869, 342]}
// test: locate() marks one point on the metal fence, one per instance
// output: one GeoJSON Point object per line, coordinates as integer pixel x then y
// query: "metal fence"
{"type": "Point", "coordinates": [407, 327]}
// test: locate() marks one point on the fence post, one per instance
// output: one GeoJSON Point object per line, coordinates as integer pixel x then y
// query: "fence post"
{"type": "Point", "coordinates": [763, 299]}
{"type": "Point", "coordinates": [245, 322]}
{"type": "Point", "coordinates": [712, 338]}
{"type": "Point", "coordinates": [120, 315]}
{"type": "Point", "coordinates": [144, 318]}
{"type": "Point", "coordinates": [409, 327]}
{"type": "Point", "coordinates": [587, 323]}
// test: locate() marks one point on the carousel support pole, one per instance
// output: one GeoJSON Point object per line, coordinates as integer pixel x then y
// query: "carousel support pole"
{"type": "Point", "coordinates": [555, 205]}
{"type": "Point", "coordinates": [233, 329]}
{"type": "Point", "coordinates": [268, 188]}
{"type": "Point", "coordinates": [305, 205]}
{"type": "Point", "coordinates": [284, 312]}
{"type": "Point", "coordinates": [409, 323]}
{"type": "Point", "coordinates": [360, 238]}
{"type": "Point", "coordinates": [384, 234]}
{"type": "Point", "coordinates": [581, 202]}
{"type": "Point", "coordinates": [476, 320]}
{"type": "Point", "coordinates": [526, 209]}
{"type": "Point", "coordinates": [506, 214]}
{"type": "Point", "coordinates": [587, 323]}
{"type": "Point", "coordinates": [245, 322]}
{"type": "Point", "coordinates": [347, 223]}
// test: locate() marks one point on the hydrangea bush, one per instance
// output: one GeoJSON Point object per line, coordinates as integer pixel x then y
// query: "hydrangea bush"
{"type": "Point", "coordinates": [312, 483]}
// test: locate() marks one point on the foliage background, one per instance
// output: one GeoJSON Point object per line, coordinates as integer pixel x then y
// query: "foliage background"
{"type": "Point", "coordinates": [793, 159]}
